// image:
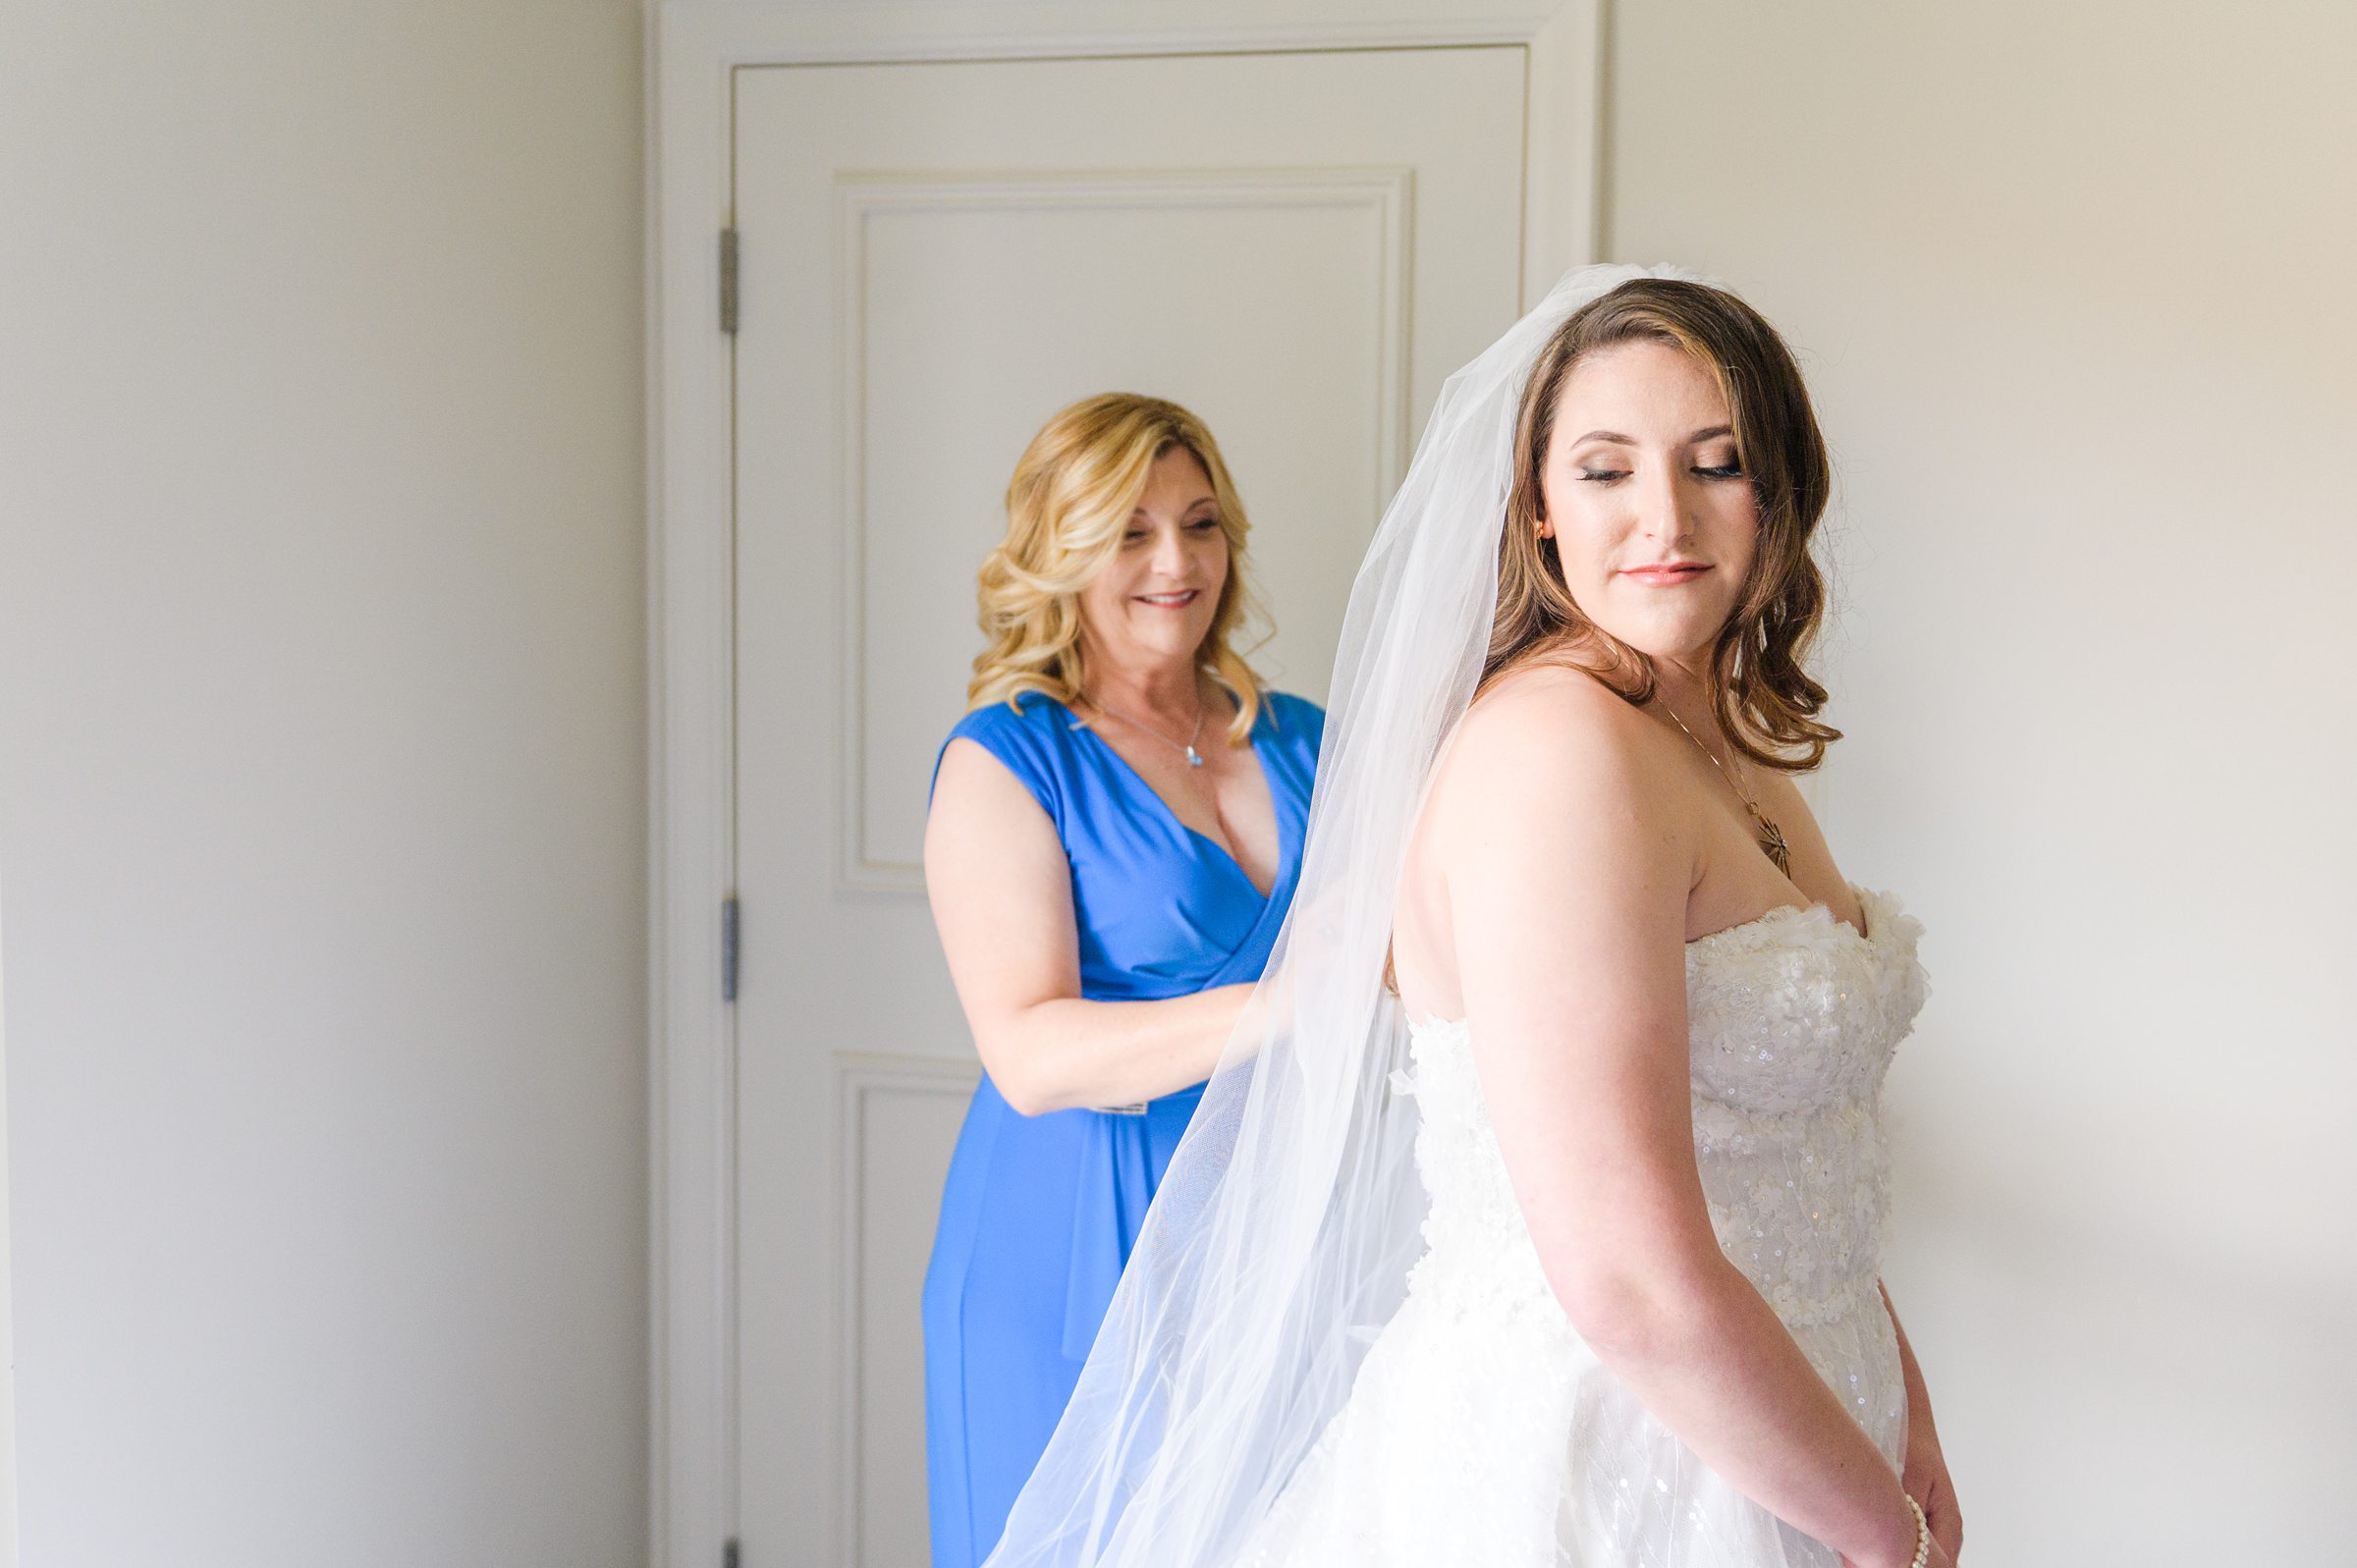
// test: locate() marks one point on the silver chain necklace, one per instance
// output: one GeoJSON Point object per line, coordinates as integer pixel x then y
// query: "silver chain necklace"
{"type": "Point", "coordinates": [1194, 758]}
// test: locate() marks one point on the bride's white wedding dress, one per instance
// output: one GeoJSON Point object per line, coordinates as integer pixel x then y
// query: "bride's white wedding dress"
{"type": "Point", "coordinates": [1482, 1430]}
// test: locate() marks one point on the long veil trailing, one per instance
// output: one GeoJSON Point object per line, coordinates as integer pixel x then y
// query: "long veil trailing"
{"type": "Point", "coordinates": [1281, 1236]}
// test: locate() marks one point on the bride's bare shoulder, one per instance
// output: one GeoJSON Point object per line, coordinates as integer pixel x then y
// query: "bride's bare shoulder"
{"type": "Point", "coordinates": [1549, 719]}
{"type": "Point", "coordinates": [1554, 741]}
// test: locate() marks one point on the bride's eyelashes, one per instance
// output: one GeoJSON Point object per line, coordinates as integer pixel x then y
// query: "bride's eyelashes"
{"type": "Point", "coordinates": [1725, 470]}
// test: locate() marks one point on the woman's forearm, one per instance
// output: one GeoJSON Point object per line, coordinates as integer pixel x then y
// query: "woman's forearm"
{"type": "Point", "coordinates": [1715, 1364]}
{"type": "Point", "coordinates": [1070, 1051]}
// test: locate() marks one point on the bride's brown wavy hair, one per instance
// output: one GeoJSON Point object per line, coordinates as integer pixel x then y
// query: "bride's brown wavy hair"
{"type": "Point", "coordinates": [1764, 702]}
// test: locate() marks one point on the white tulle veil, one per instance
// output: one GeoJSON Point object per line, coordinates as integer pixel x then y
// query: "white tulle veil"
{"type": "Point", "coordinates": [1281, 1235]}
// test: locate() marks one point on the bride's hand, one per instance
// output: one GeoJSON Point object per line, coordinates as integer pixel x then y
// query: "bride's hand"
{"type": "Point", "coordinates": [1925, 1475]}
{"type": "Point", "coordinates": [1943, 1552]}
{"type": "Point", "coordinates": [1938, 1557]}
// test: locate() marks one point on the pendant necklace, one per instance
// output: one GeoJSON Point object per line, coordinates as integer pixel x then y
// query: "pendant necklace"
{"type": "Point", "coordinates": [1771, 837]}
{"type": "Point", "coordinates": [1194, 758]}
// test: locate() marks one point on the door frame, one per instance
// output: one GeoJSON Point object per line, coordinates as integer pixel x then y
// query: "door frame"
{"type": "Point", "coordinates": [694, 49]}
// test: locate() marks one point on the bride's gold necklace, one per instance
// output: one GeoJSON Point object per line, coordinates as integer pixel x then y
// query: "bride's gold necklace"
{"type": "Point", "coordinates": [1771, 837]}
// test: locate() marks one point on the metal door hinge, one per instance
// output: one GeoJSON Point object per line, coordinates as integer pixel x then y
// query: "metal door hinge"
{"type": "Point", "coordinates": [727, 281]}
{"type": "Point", "coordinates": [730, 948]}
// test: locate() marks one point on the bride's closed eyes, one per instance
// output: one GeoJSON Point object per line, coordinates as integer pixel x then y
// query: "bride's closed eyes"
{"type": "Point", "coordinates": [1725, 470]}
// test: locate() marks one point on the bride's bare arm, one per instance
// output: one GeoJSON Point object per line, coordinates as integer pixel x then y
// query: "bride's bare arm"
{"type": "Point", "coordinates": [1566, 871]}
{"type": "Point", "coordinates": [1001, 896]}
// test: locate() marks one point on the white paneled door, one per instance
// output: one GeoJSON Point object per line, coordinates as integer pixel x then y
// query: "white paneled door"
{"type": "Point", "coordinates": [933, 259]}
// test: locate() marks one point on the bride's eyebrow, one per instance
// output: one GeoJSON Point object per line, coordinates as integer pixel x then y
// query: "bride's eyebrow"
{"type": "Point", "coordinates": [1712, 434]}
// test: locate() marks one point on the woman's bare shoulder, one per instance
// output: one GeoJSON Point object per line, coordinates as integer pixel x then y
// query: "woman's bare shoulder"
{"type": "Point", "coordinates": [1555, 729]}
{"type": "Point", "coordinates": [1558, 833]}
{"type": "Point", "coordinates": [980, 804]}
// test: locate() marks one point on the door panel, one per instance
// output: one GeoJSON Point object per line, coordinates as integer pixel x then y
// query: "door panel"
{"type": "Point", "coordinates": [935, 258]}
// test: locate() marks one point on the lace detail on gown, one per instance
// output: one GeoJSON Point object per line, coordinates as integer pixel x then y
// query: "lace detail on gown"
{"type": "Point", "coordinates": [1481, 1430]}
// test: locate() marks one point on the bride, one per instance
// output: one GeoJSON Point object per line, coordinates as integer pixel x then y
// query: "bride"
{"type": "Point", "coordinates": [1534, 1215]}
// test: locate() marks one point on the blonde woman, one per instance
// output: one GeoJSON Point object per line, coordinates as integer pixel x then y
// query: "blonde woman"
{"type": "Point", "coordinates": [1115, 834]}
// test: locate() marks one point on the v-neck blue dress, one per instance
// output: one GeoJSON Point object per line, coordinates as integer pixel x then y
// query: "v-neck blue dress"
{"type": "Point", "coordinates": [1039, 1213]}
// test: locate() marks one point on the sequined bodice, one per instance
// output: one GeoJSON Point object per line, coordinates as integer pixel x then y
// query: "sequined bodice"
{"type": "Point", "coordinates": [1792, 1019]}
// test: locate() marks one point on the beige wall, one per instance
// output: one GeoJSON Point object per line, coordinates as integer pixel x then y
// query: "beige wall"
{"type": "Point", "coordinates": [321, 780]}
{"type": "Point", "coordinates": [2074, 286]}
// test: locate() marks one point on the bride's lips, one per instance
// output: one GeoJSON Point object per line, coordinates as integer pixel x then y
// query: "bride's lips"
{"type": "Point", "coordinates": [1178, 600]}
{"type": "Point", "coordinates": [1667, 575]}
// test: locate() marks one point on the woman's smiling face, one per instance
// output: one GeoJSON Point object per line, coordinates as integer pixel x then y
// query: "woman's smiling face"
{"type": "Point", "coordinates": [1153, 602]}
{"type": "Point", "coordinates": [1653, 518]}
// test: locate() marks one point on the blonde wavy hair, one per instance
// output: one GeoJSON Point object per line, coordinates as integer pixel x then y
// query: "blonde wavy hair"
{"type": "Point", "coordinates": [1067, 507]}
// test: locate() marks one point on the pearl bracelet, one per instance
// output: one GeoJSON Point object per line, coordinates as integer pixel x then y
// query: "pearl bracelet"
{"type": "Point", "coordinates": [1923, 1535]}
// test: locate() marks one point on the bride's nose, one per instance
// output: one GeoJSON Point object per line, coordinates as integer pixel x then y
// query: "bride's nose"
{"type": "Point", "coordinates": [1662, 507]}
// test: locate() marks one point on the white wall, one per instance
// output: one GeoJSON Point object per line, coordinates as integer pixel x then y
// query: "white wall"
{"type": "Point", "coordinates": [321, 762]}
{"type": "Point", "coordinates": [2073, 285]}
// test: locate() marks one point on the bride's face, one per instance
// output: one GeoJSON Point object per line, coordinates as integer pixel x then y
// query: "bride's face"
{"type": "Point", "coordinates": [1652, 517]}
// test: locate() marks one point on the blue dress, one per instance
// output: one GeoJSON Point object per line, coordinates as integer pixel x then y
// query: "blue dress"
{"type": "Point", "coordinates": [1039, 1213]}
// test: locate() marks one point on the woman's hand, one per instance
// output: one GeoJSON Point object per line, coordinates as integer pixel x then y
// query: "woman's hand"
{"type": "Point", "coordinates": [1937, 1557]}
{"type": "Point", "coordinates": [1925, 1476]}
{"type": "Point", "coordinates": [1943, 1552]}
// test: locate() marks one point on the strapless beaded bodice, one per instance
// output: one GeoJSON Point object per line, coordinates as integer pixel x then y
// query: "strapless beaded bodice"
{"type": "Point", "coordinates": [1792, 1020]}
